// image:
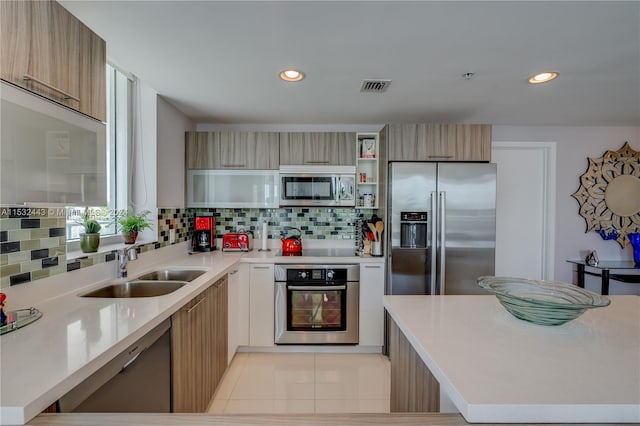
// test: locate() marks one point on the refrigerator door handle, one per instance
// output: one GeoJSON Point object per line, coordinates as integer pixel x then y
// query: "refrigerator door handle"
{"type": "Point", "coordinates": [443, 227]}
{"type": "Point", "coordinates": [434, 241]}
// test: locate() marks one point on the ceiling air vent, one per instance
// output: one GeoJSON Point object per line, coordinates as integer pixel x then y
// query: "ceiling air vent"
{"type": "Point", "coordinates": [375, 86]}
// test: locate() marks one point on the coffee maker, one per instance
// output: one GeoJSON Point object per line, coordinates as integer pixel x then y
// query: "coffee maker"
{"type": "Point", "coordinates": [204, 234]}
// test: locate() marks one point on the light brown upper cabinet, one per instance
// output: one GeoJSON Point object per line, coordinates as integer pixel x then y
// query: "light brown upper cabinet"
{"type": "Point", "coordinates": [318, 148]}
{"type": "Point", "coordinates": [93, 85]}
{"type": "Point", "coordinates": [46, 50]}
{"type": "Point", "coordinates": [439, 142]}
{"type": "Point", "coordinates": [232, 150]}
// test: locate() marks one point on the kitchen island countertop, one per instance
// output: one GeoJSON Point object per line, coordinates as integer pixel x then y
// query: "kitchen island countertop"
{"type": "Point", "coordinates": [496, 368]}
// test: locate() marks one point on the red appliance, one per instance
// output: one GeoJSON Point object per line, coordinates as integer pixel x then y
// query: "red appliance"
{"type": "Point", "coordinates": [291, 244]}
{"type": "Point", "coordinates": [204, 234]}
{"type": "Point", "coordinates": [237, 242]}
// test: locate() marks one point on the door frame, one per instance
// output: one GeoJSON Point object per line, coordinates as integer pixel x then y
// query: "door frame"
{"type": "Point", "coordinates": [548, 150]}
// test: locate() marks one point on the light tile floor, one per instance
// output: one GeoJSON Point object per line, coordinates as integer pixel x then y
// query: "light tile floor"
{"type": "Point", "coordinates": [304, 383]}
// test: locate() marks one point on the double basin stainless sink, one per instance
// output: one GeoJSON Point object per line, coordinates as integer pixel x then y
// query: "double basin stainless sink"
{"type": "Point", "coordinates": [156, 283]}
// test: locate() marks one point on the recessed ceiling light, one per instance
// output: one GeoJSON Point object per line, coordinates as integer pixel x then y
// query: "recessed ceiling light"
{"type": "Point", "coordinates": [291, 75]}
{"type": "Point", "coordinates": [543, 77]}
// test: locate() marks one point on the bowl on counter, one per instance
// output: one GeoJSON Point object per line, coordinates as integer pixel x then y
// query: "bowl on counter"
{"type": "Point", "coordinates": [542, 302]}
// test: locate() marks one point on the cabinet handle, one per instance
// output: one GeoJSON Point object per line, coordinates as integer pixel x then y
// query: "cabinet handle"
{"type": "Point", "coordinates": [131, 361]}
{"type": "Point", "coordinates": [317, 162]}
{"type": "Point", "coordinates": [233, 272]}
{"type": "Point", "coordinates": [440, 156]}
{"type": "Point", "coordinates": [218, 284]}
{"type": "Point", "coordinates": [235, 166]}
{"type": "Point", "coordinates": [196, 305]}
{"type": "Point", "coordinates": [372, 266]}
{"type": "Point", "coordinates": [67, 95]}
{"type": "Point", "coordinates": [260, 267]}
{"type": "Point", "coordinates": [316, 288]}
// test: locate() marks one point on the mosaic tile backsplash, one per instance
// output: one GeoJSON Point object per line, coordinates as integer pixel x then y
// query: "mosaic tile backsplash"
{"type": "Point", "coordinates": [314, 223]}
{"type": "Point", "coordinates": [32, 244]}
{"type": "Point", "coordinates": [33, 240]}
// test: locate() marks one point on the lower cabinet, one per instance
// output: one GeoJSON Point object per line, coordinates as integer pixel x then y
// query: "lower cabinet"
{"type": "Point", "coordinates": [199, 348]}
{"type": "Point", "coordinates": [261, 305]}
{"type": "Point", "coordinates": [238, 309]}
{"type": "Point", "coordinates": [371, 307]}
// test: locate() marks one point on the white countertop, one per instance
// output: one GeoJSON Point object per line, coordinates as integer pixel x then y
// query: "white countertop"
{"type": "Point", "coordinates": [76, 336]}
{"type": "Point", "coordinates": [496, 368]}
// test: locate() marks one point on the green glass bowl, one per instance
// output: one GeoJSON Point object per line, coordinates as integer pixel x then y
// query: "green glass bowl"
{"type": "Point", "coordinates": [542, 302]}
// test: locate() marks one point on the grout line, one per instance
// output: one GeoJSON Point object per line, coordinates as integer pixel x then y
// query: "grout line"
{"type": "Point", "coordinates": [315, 379]}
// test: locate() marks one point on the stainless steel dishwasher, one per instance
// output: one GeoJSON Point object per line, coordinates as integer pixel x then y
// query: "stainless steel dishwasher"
{"type": "Point", "coordinates": [137, 380]}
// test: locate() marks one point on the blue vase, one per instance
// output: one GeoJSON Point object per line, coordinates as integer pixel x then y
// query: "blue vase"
{"type": "Point", "coordinates": [634, 238]}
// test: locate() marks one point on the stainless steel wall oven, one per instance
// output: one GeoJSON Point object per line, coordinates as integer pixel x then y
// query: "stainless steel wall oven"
{"type": "Point", "coordinates": [317, 304]}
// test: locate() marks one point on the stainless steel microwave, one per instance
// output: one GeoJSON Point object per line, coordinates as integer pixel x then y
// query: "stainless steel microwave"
{"type": "Point", "coordinates": [317, 186]}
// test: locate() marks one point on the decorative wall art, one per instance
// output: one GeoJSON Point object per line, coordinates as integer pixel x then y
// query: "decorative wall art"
{"type": "Point", "coordinates": [609, 194]}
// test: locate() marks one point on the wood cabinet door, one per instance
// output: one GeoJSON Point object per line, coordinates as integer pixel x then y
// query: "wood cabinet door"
{"type": "Point", "coordinates": [92, 89]}
{"type": "Point", "coordinates": [232, 150]}
{"type": "Point", "coordinates": [55, 53]}
{"type": "Point", "coordinates": [220, 295]}
{"type": "Point", "coordinates": [199, 348]}
{"type": "Point", "coordinates": [403, 142]}
{"type": "Point", "coordinates": [265, 149]}
{"type": "Point", "coordinates": [202, 150]}
{"type": "Point", "coordinates": [439, 142]}
{"type": "Point", "coordinates": [249, 150]}
{"type": "Point", "coordinates": [318, 148]}
{"type": "Point", "coordinates": [65, 60]}
{"type": "Point", "coordinates": [15, 44]}
{"type": "Point", "coordinates": [473, 142]}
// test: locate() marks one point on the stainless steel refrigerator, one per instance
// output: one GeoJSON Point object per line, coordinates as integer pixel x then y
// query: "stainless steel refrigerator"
{"type": "Point", "coordinates": [442, 220]}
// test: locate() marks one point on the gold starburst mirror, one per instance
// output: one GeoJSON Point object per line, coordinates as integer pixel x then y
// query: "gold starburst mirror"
{"type": "Point", "coordinates": [609, 194]}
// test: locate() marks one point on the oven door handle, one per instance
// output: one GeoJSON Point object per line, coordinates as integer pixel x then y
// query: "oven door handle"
{"type": "Point", "coordinates": [317, 288]}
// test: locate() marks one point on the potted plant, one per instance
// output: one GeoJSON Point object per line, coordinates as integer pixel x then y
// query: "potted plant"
{"type": "Point", "coordinates": [132, 223]}
{"type": "Point", "coordinates": [90, 238]}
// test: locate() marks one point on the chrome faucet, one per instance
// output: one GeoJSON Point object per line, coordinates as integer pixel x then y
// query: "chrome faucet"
{"type": "Point", "coordinates": [124, 256]}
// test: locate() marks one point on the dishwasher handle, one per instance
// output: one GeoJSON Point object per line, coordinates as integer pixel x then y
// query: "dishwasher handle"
{"type": "Point", "coordinates": [131, 361]}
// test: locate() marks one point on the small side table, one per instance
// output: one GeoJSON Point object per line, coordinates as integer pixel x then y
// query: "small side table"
{"type": "Point", "coordinates": [603, 270]}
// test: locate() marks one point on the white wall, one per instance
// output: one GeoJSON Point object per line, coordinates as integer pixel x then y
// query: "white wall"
{"type": "Point", "coordinates": [172, 124]}
{"type": "Point", "coordinates": [574, 145]}
{"type": "Point", "coordinates": [143, 186]}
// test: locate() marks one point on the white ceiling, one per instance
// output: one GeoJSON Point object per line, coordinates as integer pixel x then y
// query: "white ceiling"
{"type": "Point", "coordinates": [218, 62]}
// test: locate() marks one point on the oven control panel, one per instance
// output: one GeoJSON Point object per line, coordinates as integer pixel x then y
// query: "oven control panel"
{"type": "Point", "coordinates": [316, 275]}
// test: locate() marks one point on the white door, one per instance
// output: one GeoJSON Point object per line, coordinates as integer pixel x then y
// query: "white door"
{"type": "Point", "coordinates": [524, 209]}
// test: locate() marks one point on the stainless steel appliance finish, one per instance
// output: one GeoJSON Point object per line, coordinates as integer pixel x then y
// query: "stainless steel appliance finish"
{"type": "Point", "coordinates": [317, 304]}
{"type": "Point", "coordinates": [136, 381]}
{"type": "Point", "coordinates": [317, 186]}
{"type": "Point", "coordinates": [457, 207]}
